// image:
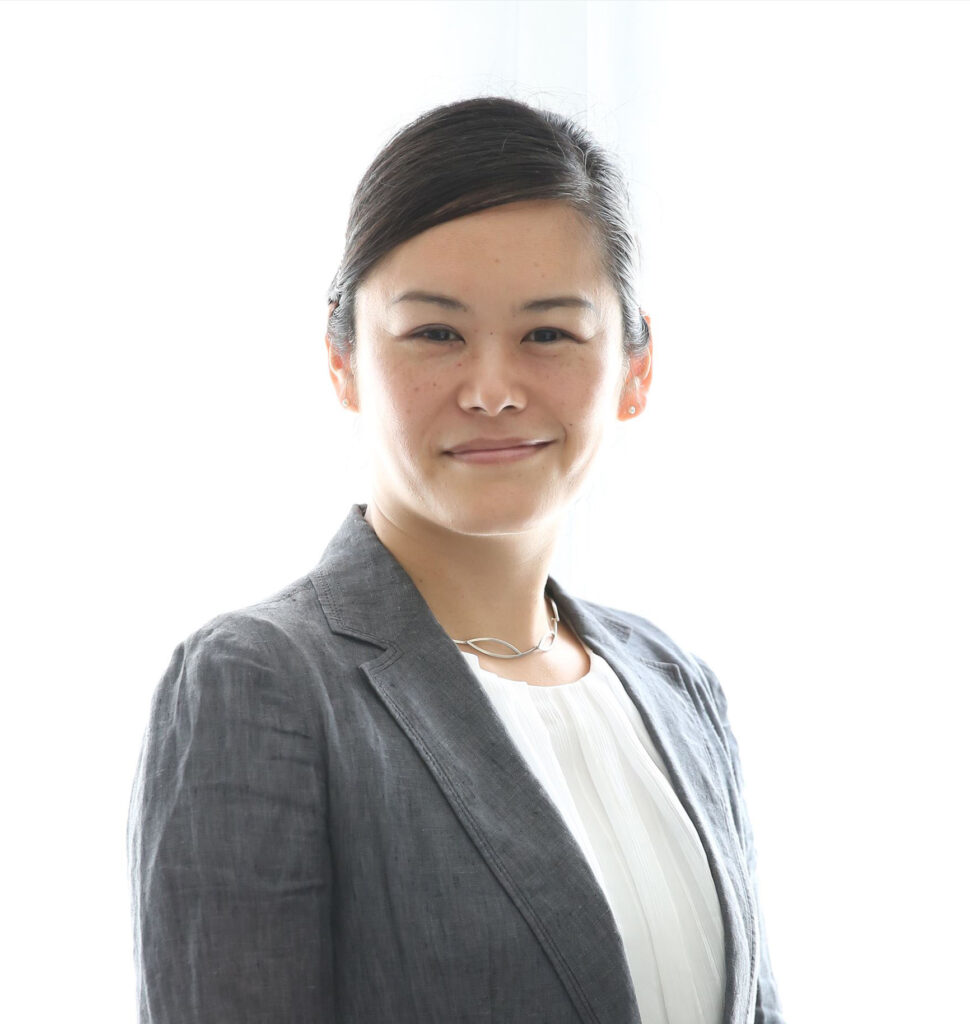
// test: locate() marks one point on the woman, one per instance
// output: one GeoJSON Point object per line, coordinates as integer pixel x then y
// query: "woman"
{"type": "Point", "coordinates": [424, 783]}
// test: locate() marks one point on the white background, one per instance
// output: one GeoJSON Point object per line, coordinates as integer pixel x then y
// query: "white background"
{"type": "Point", "coordinates": [792, 505]}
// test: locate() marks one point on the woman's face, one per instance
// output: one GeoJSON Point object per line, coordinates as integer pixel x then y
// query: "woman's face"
{"type": "Point", "coordinates": [490, 361]}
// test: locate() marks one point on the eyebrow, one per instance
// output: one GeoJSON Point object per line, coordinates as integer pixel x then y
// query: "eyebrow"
{"type": "Point", "coordinates": [536, 305]}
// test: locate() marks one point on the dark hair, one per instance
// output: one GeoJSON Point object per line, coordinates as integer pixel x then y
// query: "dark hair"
{"type": "Point", "coordinates": [467, 156]}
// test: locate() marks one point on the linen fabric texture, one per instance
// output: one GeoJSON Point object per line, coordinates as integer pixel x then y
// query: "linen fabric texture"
{"type": "Point", "coordinates": [329, 821]}
{"type": "Point", "coordinates": [586, 744]}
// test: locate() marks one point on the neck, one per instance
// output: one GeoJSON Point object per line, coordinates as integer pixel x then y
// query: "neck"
{"type": "Point", "coordinates": [475, 585]}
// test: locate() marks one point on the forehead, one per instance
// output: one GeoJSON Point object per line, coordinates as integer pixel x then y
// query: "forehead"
{"type": "Point", "coordinates": [515, 252]}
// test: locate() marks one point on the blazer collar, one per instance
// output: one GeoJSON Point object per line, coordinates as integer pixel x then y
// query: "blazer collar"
{"type": "Point", "coordinates": [426, 685]}
{"type": "Point", "coordinates": [370, 596]}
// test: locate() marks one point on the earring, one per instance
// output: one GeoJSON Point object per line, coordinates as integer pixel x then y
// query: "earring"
{"type": "Point", "coordinates": [632, 410]}
{"type": "Point", "coordinates": [345, 403]}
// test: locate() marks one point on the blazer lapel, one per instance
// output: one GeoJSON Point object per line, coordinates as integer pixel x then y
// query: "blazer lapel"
{"type": "Point", "coordinates": [436, 699]}
{"type": "Point", "coordinates": [658, 690]}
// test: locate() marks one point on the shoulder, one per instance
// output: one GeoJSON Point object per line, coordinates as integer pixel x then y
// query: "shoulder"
{"type": "Point", "coordinates": [644, 637]}
{"type": "Point", "coordinates": [278, 630]}
{"type": "Point", "coordinates": [646, 641]}
{"type": "Point", "coordinates": [263, 655]}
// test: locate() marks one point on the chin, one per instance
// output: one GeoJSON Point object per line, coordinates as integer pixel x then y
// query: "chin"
{"type": "Point", "coordinates": [477, 517]}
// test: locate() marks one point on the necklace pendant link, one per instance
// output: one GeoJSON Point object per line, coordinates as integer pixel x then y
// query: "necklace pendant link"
{"type": "Point", "coordinates": [542, 645]}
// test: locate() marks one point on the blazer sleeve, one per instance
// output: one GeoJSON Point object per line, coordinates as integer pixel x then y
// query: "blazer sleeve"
{"type": "Point", "coordinates": [767, 1005]}
{"type": "Point", "coordinates": [228, 854]}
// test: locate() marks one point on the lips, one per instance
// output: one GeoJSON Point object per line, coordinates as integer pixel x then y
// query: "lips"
{"type": "Point", "coordinates": [483, 444]}
{"type": "Point", "coordinates": [498, 456]}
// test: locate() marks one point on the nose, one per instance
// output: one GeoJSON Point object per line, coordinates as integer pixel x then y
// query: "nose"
{"type": "Point", "coordinates": [492, 380]}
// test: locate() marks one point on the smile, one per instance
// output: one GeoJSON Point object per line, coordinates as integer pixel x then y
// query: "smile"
{"type": "Point", "coordinates": [493, 455]}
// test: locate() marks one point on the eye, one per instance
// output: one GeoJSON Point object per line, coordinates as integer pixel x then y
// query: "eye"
{"type": "Point", "coordinates": [434, 330]}
{"type": "Point", "coordinates": [428, 331]}
{"type": "Point", "coordinates": [549, 330]}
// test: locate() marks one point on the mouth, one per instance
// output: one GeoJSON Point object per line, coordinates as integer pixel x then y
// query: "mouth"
{"type": "Point", "coordinates": [494, 444]}
{"type": "Point", "coordinates": [510, 453]}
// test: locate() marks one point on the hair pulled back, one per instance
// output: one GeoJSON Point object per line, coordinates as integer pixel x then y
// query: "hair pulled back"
{"type": "Point", "coordinates": [473, 154]}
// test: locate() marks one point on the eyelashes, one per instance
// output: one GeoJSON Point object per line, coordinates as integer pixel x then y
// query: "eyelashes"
{"type": "Point", "coordinates": [447, 330]}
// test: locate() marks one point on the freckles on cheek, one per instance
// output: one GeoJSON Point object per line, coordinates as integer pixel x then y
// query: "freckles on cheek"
{"type": "Point", "coordinates": [415, 398]}
{"type": "Point", "coordinates": [407, 400]}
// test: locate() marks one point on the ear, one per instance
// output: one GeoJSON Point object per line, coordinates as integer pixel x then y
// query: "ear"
{"type": "Point", "coordinates": [638, 378]}
{"type": "Point", "coordinates": [341, 376]}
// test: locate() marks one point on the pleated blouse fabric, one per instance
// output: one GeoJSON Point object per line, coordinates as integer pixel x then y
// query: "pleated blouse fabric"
{"type": "Point", "coordinates": [587, 745]}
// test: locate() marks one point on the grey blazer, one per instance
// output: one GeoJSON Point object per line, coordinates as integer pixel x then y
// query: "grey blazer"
{"type": "Point", "coordinates": [329, 822]}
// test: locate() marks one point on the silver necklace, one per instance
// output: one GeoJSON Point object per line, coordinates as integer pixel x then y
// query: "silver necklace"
{"type": "Point", "coordinates": [549, 635]}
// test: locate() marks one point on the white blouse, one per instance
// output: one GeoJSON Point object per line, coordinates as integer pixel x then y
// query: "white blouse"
{"type": "Point", "coordinates": [587, 745]}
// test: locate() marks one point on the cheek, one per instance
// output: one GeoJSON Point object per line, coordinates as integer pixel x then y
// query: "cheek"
{"type": "Point", "coordinates": [587, 396]}
{"type": "Point", "coordinates": [417, 401]}
{"type": "Point", "coordinates": [406, 401]}
{"type": "Point", "coordinates": [394, 388]}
